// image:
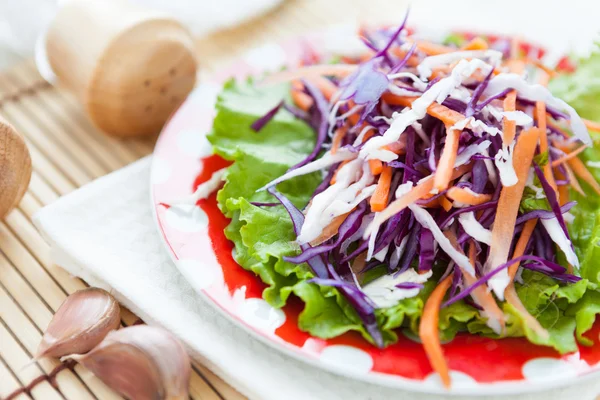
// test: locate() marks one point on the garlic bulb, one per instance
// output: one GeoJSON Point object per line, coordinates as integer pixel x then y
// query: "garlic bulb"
{"type": "Point", "coordinates": [141, 362]}
{"type": "Point", "coordinates": [80, 323]}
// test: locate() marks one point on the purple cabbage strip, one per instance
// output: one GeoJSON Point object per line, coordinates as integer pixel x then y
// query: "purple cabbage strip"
{"type": "Point", "coordinates": [544, 214]}
{"type": "Point", "coordinates": [296, 112]}
{"type": "Point", "coordinates": [410, 251]}
{"type": "Point", "coordinates": [487, 101]}
{"type": "Point", "coordinates": [471, 106]}
{"type": "Point", "coordinates": [551, 196]}
{"type": "Point", "coordinates": [410, 285]}
{"type": "Point", "coordinates": [484, 206]}
{"type": "Point", "coordinates": [347, 228]}
{"type": "Point", "coordinates": [456, 279]}
{"type": "Point", "coordinates": [366, 85]}
{"type": "Point", "coordinates": [467, 291]}
{"type": "Point", "coordinates": [427, 250]}
{"type": "Point", "coordinates": [317, 264]}
{"type": "Point", "coordinates": [323, 107]}
{"type": "Point", "coordinates": [552, 111]}
{"type": "Point", "coordinates": [480, 176]}
{"type": "Point", "coordinates": [262, 121]}
{"type": "Point", "coordinates": [403, 62]}
{"type": "Point", "coordinates": [361, 248]}
{"type": "Point", "coordinates": [383, 52]}
{"type": "Point", "coordinates": [263, 204]}
{"type": "Point", "coordinates": [401, 165]}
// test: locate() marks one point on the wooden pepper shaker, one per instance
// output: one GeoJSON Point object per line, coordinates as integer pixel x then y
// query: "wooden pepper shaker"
{"type": "Point", "coordinates": [129, 66]}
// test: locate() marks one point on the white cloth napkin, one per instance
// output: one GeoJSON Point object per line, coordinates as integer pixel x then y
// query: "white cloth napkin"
{"type": "Point", "coordinates": [105, 234]}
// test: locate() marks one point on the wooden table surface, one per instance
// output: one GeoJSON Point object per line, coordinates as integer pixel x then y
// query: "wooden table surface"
{"type": "Point", "coordinates": [67, 152]}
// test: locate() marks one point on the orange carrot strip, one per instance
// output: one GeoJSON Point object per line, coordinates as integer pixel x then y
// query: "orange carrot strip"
{"type": "Point", "coordinates": [477, 43]}
{"type": "Point", "coordinates": [376, 166]}
{"type": "Point", "coordinates": [556, 127]}
{"type": "Point", "coordinates": [300, 99]}
{"type": "Point", "coordinates": [330, 230]}
{"type": "Point", "coordinates": [433, 49]}
{"type": "Point", "coordinates": [421, 190]}
{"type": "Point", "coordinates": [429, 331]}
{"type": "Point", "coordinates": [521, 245]}
{"type": "Point", "coordinates": [447, 116]}
{"type": "Point", "coordinates": [445, 203]}
{"type": "Point", "coordinates": [573, 180]}
{"type": "Point", "coordinates": [592, 125]}
{"type": "Point", "coordinates": [510, 198]}
{"type": "Point", "coordinates": [337, 139]}
{"type": "Point", "coordinates": [467, 196]}
{"type": "Point", "coordinates": [435, 203]}
{"type": "Point", "coordinates": [447, 159]}
{"type": "Point", "coordinates": [581, 171]}
{"type": "Point", "coordinates": [552, 73]}
{"type": "Point", "coordinates": [568, 156]}
{"type": "Point", "coordinates": [510, 294]}
{"type": "Point", "coordinates": [324, 85]}
{"type": "Point", "coordinates": [368, 135]}
{"type": "Point", "coordinates": [563, 190]}
{"type": "Point", "coordinates": [510, 127]}
{"type": "Point", "coordinates": [547, 169]}
{"type": "Point", "coordinates": [354, 118]}
{"type": "Point", "coordinates": [379, 199]}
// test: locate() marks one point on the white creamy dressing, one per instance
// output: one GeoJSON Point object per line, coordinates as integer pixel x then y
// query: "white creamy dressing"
{"type": "Point", "coordinates": [530, 183]}
{"type": "Point", "coordinates": [327, 160]}
{"type": "Point", "coordinates": [425, 68]}
{"type": "Point", "coordinates": [474, 229]}
{"type": "Point", "coordinates": [504, 163]}
{"type": "Point", "coordinates": [419, 129]}
{"type": "Point", "coordinates": [384, 293]}
{"type": "Point", "coordinates": [438, 92]}
{"type": "Point", "coordinates": [361, 135]}
{"type": "Point", "coordinates": [470, 151]}
{"type": "Point", "coordinates": [535, 92]}
{"type": "Point", "coordinates": [558, 236]}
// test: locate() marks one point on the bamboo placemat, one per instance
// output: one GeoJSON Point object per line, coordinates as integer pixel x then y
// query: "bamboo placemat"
{"type": "Point", "coordinates": [68, 152]}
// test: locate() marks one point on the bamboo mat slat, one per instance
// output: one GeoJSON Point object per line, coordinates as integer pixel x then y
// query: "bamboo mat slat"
{"type": "Point", "coordinates": [67, 152]}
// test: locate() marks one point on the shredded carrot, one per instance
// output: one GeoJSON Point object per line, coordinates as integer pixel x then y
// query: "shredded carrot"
{"type": "Point", "coordinates": [510, 127]}
{"type": "Point", "coordinates": [300, 99]}
{"type": "Point", "coordinates": [477, 43]}
{"type": "Point", "coordinates": [521, 246]}
{"type": "Point", "coordinates": [334, 177]}
{"type": "Point", "coordinates": [368, 135]}
{"type": "Point", "coordinates": [592, 125]}
{"type": "Point", "coordinates": [581, 171]}
{"type": "Point", "coordinates": [433, 49]}
{"type": "Point", "coordinates": [447, 116]}
{"type": "Point", "coordinates": [447, 159]}
{"type": "Point", "coordinates": [434, 203]}
{"type": "Point", "coordinates": [429, 333]}
{"type": "Point", "coordinates": [337, 139]}
{"type": "Point", "coordinates": [330, 230]}
{"type": "Point", "coordinates": [445, 203]}
{"type": "Point", "coordinates": [413, 61]}
{"type": "Point", "coordinates": [556, 127]}
{"type": "Point", "coordinates": [376, 166]}
{"type": "Point", "coordinates": [510, 198]}
{"type": "Point", "coordinates": [420, 191]}
{"type": "Point", "coordinates": [510, 294]}
{"type": "Point", "coordinates": [324, 85]}
{"type": "Point", "coordinates": [573, 180]}
{"type": "Point", "coordinates": [379, 199]}
{"type": "Point", "coordinates": [396, 147]}
{"type": "Point", "coordinates": [353, 118]}
{"type": "Point", "coordinates": [563, 190]}
{"type": "Point", "coordinates": [467, 196]}
{"type": "Point", "coordinates": [568, 156]}
{"type": "Point", "coordinates": [540, 108]}
{"type": "Point", "coordinates": [552, 73]}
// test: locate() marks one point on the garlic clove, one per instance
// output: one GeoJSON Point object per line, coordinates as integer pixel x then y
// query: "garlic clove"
{"type": "Point", "coordinates": [141, 362]}
{"type": "Point", "coordinates": [81, 322]}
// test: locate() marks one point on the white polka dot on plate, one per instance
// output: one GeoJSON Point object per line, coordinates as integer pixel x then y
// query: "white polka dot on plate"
{"type": "Point", "coordinates": [261, 315]}
{"type": "Point", "coordinates": [458, 379]}
{"type": "Point", "coordinates": [199, 275]}
{"type": "Point", "coordinates": [546, 368]}
{"type": "Point", "coordinates": [186, 218]}
{"type": "Point", "coordinates": [205, 95]}
{"type": "Point", "coordinates": [347, 357]}
{"type": "Point", "coordinates": [161, 171]}
{"type": "Point", "coordinates": [193, 143]}
{"type": "Point", "coordinates": [269, 57]}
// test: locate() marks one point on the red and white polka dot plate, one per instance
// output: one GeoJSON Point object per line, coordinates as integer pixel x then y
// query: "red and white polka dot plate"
{"type": "Point", "coordinates": [194, 237]}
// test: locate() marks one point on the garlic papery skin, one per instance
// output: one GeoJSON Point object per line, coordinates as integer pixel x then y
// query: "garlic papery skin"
{"type": "Point", "coordinates": [141, 362]}
{"type": "Point", "coordinates": [81, 322]}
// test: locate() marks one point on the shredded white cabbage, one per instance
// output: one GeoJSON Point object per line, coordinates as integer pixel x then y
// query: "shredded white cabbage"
{"type": "Point", "coordinates": [474, 229]}
{"type": "Point", "coordinates": [425, 68]}
{"type": "Point", "coordinates": [470, 151]}
{"type": "Point", "coordinates": [558, 236]}
{"type": "Point", "coordinates": [424, 218]}
{"type": "Point", "coordinates": [384, 293]}
{"type": "Point", "coordinates": [504, 163]}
